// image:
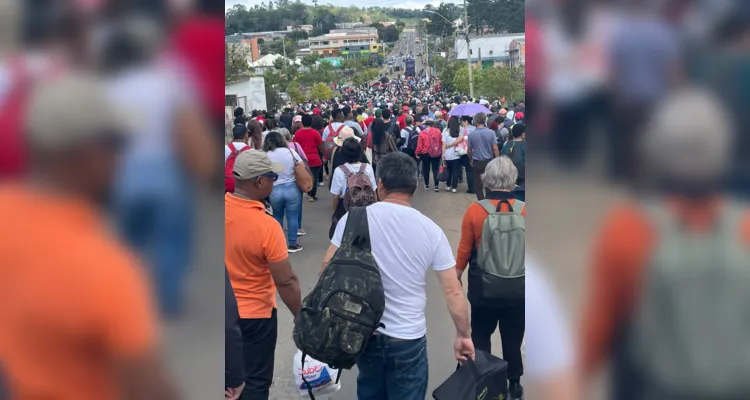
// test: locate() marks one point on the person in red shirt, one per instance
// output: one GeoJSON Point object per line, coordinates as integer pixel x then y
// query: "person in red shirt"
{"type": "Point", "coordinates": [424, 141]}
{"type": "Point", "coordinates": [402, 118]}
{"type": "Point", "coordinates": [312, 143]}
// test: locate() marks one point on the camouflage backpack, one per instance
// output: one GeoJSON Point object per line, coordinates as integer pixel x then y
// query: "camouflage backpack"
{"type": "Point", "coordinates": [342, 312]}
{"type": "Point", "coordinates": [359, 190]}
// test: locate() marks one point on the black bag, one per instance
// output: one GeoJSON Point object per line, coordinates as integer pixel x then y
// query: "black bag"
{"type": "Point", "coordinates": [486, 377]}
{"type": "Point", "coordinates": [444, 174]}
{"type": "Point", "coordinates": [342, 312]}
{"type": "Point", "coordinates": [413, 140]}
{"type": "Point", "coordinates": [515, 151]}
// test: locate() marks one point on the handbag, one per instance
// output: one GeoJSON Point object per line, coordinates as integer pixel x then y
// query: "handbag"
{"type": "Point", "coordinates": [485, 377]}
{"type": "Point", "coordinates": [302, 174]}
{"type": "Point", "coordinates": [462, 148]}
{"type": "Point", "coordinates": [443, 173]}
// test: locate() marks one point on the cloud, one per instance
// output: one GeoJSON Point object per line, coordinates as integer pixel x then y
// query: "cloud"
{"type": "Point", "coordinates": [411, 4]}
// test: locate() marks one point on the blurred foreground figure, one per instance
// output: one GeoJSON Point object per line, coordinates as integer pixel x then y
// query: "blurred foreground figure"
{"type": "Point", "coordinates": [671, 283]}
{"type": "Point", "coordinates": [168, 148]}
{"type": "Point", "coordinates": [76, 317]}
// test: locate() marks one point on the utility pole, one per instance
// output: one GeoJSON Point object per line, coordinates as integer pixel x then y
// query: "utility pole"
{"type": "Point", "coordinates": [468, 49]}
{"type": "Point", "coordinates": [427, 50]}
{"type": "Point", "coordinates": [283, 49]}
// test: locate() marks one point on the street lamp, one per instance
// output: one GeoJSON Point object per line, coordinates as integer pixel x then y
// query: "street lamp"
{"type": "Point", "coordinates": [440, 15]}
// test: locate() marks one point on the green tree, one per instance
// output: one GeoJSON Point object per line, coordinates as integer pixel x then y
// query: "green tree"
{"type": "Point", "coordinates": [236, 62]}
{"type": "Point", "coordinates": [295, 93]}
{"type": "Point", "coordinates": [321, 91]}
{"type": "Point", "coordinates": [309, 60]}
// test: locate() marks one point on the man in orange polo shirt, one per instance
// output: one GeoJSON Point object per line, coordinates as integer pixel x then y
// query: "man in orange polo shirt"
{"type": "Point", "coordinates": [77, 319]}
{"type": "Point", "coordinates": [686, 241]}
{"type": "Point", "coordinates": [257, 259]}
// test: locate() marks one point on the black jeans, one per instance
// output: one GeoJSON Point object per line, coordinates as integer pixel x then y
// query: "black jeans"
{"type": "Point", "coordinates": [316, 171]}
{"type": "Point", "coordinates": [479, 167]}
{"type": "Point", "coordinates": [454, 171]}
{"type": "Point", "coordinates": [512, 323]}
{"type": "Point", "coordinates": [258, 347]}
{"type": "Point", "coordinates": [428, 162]}
{"type": "Point", "coordinates": [466, 164]}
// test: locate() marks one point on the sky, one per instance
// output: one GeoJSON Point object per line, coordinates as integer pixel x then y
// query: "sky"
{"type": "Point", "coordinates": [413, 4]}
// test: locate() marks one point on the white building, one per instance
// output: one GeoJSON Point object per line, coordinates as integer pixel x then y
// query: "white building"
{"type": "Point", "coordinates": [495, 48]}
{"type": "Point", "coordinates": [264, 63]}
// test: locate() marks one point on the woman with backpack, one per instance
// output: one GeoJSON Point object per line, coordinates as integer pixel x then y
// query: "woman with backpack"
{"type": "Point", "coordinates": [490, 310]}
{"type": "Point", "coordinates": [430, 152]}
{"type": "Point", "coordinates": [353, 182]}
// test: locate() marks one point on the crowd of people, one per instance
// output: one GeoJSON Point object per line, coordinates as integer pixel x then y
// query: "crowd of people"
{"type": "Point", "coordinates": [372, 147]}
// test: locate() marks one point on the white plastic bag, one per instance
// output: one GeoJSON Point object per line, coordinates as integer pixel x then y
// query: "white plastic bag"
{"type": "Point", "coordinates": [321, 377]}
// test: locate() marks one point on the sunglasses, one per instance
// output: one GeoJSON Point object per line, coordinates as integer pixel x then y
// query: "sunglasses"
{"type": "Point", "coordinates": [271, 175]}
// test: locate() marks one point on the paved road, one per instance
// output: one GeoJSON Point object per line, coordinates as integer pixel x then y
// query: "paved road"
{"type": "Point", "coordinates": [407, 45]}
{"type": "Point", "coordinates": [447, 210]}
{"type": "Point", "coordinates": [561, 229]}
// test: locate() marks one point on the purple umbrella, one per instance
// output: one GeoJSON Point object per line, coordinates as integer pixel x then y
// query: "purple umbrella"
{"type": "Point", "coordinates": [470, 109]}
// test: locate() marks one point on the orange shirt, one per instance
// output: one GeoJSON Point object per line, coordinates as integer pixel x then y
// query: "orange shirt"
{"type": "Point", "coordinates": [622, 252]}
{"type": "Point", "coordinates": [73, 300]}
{"type": "Point", "coordinates": [471, 230]}
{"type": "Point", "coordinates": [252, 239]}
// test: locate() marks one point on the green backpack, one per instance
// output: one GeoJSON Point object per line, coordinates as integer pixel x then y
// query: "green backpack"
{"type": "Point", "coordinates": [501, 259]}
{"type": "Point", "coordinates": [691, 327]}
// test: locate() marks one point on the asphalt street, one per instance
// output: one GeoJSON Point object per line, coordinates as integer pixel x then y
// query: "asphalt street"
{"type": "Point", "coordinates": [447, 210]}
{"type": "Point", "coordinates": [407, 44]}
{"type": "Point", "coordinates": [561, 228]}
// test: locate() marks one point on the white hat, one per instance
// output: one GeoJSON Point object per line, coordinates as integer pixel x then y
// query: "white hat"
{"type": "Point", "coordinates": [346, 133]}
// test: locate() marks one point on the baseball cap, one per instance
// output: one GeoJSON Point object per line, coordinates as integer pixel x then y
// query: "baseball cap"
{"type": "Point", "coordinates": [405, 108]}
{"type": "Point", "coordinates": [378, 113]}
{"type": "Point", "coordinates": [519, 116]}
{"type": "Point", "coordinates": [254, 163]}
{"type": "Point", "coordinates": [316, 111]}
{"type": "Point", "coordinates": [297, 118]}
{"type": "Point", "coordinates": [71, 111]}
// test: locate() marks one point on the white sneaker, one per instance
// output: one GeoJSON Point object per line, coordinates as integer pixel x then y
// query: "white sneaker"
{"type": "Point", "coordinates": [454, 190]}
{"type": "Point", "coordinates": [321, 183]}
{"type": "Point", "coordinates": [448, 189]}
{"type": "Point", "coordinates": [300, 232]}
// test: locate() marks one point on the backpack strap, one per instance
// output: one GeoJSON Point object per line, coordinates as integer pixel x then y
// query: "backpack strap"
{"type": "Point", "coordinates": [346, 170]}
{"type": "Point", "coordinates": [341, 127]}
{"type": "Point", "coordinates": [488, 206]}
{"type": "Point", "coordinates": [309, 387]}
{"type": "Point", "coordinates": [232, 149]}
{"type": "Point", "coordinates": [518, 206]}
{"type": "Point", "coordinates": [362, 167]}
{"type": "Point", "coordinates": [357, 231]}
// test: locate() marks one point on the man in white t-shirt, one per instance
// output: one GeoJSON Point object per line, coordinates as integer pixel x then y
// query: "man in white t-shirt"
{"type": "Point", "coordinates": [550, 352]}
{"type": "Point", "coordinates": [394, 365]}
{"type": "Point", "coordinates": [240, 137]}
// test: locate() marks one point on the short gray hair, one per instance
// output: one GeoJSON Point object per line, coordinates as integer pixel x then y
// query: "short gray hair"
{"type": "Point", "coordinates": [480, 118]}
{"type": "Point", "coordinates": [500, 175]}
{"type": "Point", "coordinates": [689, 149]}
{"type": "Point", "coordinates": [409, 120]}
{"type": "Point", "coordinates": [286, 134]}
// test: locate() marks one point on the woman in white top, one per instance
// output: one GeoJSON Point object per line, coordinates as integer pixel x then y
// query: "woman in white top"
{"type": "Point", "coordinates": [452, 152]}
{"type": "Point", "coordinates": [286, 198]}
{"type": "Point", "coordinates": [351, 152]}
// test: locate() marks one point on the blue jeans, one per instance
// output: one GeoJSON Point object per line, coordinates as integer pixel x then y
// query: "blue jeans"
{"type": "Point", "coordinates": [160, 230]}
{"type": "Point", "coordinates": [393, 369]}
{"type": "Point", "coordinates": [286, 200]}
